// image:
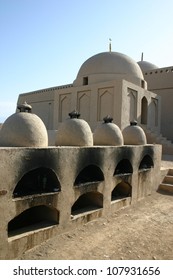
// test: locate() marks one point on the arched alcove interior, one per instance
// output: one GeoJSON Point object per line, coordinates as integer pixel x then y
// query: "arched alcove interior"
{"type": "Point", "coordinates": [33, 218]}
{"type": "Point", "coordinates": [37, 181]}
{"type": "Point", "coordinates": [122, 190]}
{"type": "Point", "coordinates": [90, 174]}
{"type": "Point", "coordinates": [144, 110]}
{"type": "Point", "coordinates": [146, 163]}
{"type": "Point", "coordinates": [123, 167]}
{"type": "Point", "coordinates": [86, 202]}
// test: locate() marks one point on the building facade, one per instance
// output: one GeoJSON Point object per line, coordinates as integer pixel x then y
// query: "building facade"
{"type": "Point", "coordinates": [160, 81]}
{"type": "Point", "coordinates": [108, 83]}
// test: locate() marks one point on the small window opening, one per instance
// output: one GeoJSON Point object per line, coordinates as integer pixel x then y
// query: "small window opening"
{"type": "Point", "coordinates": [122, 190]}
{"type": "Point", "coordinates": [89, 174]}
{"type": "Point", "coordinates": [146, 163]}
{"type": "Point", "coordinates": [142, 83]}
{"type": "Point", "coordinates": [33, 218]}
{"type": "Point", "coordinates": [87, 202]}
{"type": "Point", "coordinates": [123, 167]}
{"type": "Point", "coordinates": [85, 81]}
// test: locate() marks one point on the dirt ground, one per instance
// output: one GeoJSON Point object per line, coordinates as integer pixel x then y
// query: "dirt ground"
{"type": "Point", "coordinates": [140, 231]}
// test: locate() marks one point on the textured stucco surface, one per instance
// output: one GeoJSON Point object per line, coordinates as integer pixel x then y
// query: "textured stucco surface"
{"type": "Point", "coordinates": [68, 164]}
{"type": "Point", "coordinates": [23, 130]}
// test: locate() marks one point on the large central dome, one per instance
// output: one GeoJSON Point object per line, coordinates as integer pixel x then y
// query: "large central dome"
{"type": "Point", "coordinates": [108, 66]}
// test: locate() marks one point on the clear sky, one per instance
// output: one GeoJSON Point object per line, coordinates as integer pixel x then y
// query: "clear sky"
{"type": "Point", "coordinates": [44, 42]}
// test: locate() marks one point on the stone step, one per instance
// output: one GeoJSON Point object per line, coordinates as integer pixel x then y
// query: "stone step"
{"type": "Point", "coordinates": [170, 172]}
{"type": "Point", "coordinates": [168, 179]}
{"type": "Point", "coordinates": [166, 187]}
{"type": "Point", "coordinates": [153, 137]}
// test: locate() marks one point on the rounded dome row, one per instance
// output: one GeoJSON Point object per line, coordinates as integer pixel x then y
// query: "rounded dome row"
{"type": "Point", "coordinates": [77, 132]}
{"type": "Point", "coordinates": [25, 129]}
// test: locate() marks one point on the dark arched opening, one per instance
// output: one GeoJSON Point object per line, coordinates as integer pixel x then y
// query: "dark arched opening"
{"type": "Point", "coordinates": [90, 174]}
{"type": "Point", "coordinates": [39, 180]}
{"type": "Point", "coordinates": [146, 163]}
{"type": "Point", "coordinates": [123, 167]}
{"type": "Point", "coordinates": [33, 218]}
{"type": "Point", "coordinates": [144, 110]}
{"type": "Point", "coordinates": [86, 202]}
{"type": "Point", "coordinates": [122, 190]}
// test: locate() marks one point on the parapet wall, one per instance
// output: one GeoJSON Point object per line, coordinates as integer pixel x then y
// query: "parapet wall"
{"type": "Point", "coordinates": [46, 191]}
{"type": "Point", "coordinates": [161, 78]}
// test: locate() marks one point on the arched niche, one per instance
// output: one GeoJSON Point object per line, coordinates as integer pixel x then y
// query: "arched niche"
{"type": "Point", "coordinates": [86, 202]}
{"type": "Point", "coordinates": [37, 181]}
{"type": "Point", "coordinates": [90, 174]}
{"type": "Point", "coordinates": [123, 167]}
{"type": "Point", "coordinates": [105, 103]}
{"type": "Point", "coordinates": [122, 190]}
{"type": "Point", "coordinates": [33, 218]}
{"type": "Point", "coordinates": [146, 163]}
{"type": "Point", "coordinates": [144, 110]}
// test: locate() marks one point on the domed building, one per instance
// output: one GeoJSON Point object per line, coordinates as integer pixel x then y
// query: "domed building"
{"type": "Point", "coordinates": [108, 66]}
{"type": "Point", "coordinates": [108, 83]}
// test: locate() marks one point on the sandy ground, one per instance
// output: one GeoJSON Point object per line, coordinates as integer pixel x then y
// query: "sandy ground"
{"type": "Point", "coordinates": [140, 231]}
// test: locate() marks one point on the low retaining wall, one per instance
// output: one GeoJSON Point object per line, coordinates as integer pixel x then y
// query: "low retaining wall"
{"type": "Point", "coordinates": [46, 191]}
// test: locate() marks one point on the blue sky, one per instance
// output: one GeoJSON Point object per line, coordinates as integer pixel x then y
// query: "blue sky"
{"type": "Point", "coordinates": [44, 42]}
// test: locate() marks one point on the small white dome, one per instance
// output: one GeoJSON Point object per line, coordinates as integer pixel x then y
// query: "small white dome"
{"type": "Point", "coordinates": [107, 66]}
{"type": "Point", "coordinates": [74, 132]}
{"type": "Point", "coordinates": [23, 129]}
{"type": "Point", "coordinates": [134, 135]}
{"type": "Point", "coordinates": [108, 133]}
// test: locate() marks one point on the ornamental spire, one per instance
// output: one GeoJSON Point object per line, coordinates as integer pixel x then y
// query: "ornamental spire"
{"type": "Point", "coordinates": [110, 46]}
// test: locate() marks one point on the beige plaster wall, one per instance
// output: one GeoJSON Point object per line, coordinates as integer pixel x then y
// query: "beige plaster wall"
{"type": "Point", "coordinates": [17, 162]}
{"type": "Point", "coordinates": [160, 81]}
{"type": "Point", "coordinates": [117, 98]}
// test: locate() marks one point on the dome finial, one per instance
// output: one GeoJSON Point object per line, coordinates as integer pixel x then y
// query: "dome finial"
{"type": "Point", "coordinates": [110, 46]}
{"type": "Point", "coordinates": [142, 56]}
